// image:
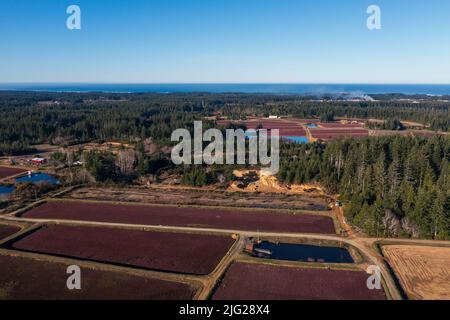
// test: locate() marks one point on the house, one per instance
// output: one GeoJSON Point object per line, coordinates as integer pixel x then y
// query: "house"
{"type": "Point", "coordinates": [39, 161]}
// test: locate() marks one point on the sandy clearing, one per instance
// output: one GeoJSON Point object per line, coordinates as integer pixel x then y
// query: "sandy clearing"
{"type": "Point", "coordinates": [423, 271]}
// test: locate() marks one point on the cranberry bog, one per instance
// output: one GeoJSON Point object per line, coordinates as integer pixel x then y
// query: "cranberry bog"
{"type": "Point", "coordinates": [6, 231]}
{"type": "Point", "coordinates": [329, 134]}
{"type": "Point", "coordinates": [7, 172]}
{"type": "Point", "coordinates": [233, 219]}
{"type": "Point", "coordinates": [26, 278]}
{"type": "Point", "coordinates": [185, 253]}
{"type": "Point", "coordinates": [251, 281]}
{"type": "Point", "coordinates": [286, 128]}
{"type": "Point", "coordinates": [339, 125]}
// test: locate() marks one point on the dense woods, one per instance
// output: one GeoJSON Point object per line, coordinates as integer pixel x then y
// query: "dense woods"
{"type": "Point", "coordinates": [391, 186]}
{"type": "Point", "coordinates": [67, 118]}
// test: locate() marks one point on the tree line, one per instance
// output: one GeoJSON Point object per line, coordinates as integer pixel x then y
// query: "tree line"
{"type": "Point", "coordinates": [30, 118]}
{"type": "Point", "coordinates": [391, 186]}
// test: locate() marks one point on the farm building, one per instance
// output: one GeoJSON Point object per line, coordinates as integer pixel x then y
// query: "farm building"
{"type": "Point", "coordinates": [39, 161]}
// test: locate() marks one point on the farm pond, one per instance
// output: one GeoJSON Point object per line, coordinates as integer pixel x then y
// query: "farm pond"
{"type": "Point", "coordinates": [35, 178]}
{"type": "Point", "coordinates": [301, 252]}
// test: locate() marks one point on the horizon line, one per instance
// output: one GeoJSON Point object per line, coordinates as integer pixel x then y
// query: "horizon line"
{"type": "Point", "coordinates": [225, 83]}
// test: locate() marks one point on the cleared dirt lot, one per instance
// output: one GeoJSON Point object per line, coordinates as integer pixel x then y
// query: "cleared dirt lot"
{"type": "Point", "coordinates": [24, 278]}
{"type": "Point", "coordinates": [423, 271]}
{"type": "Point", "coordinates": [184, 216]}
{"type": "Point", "coordinates": [251, 281]}
{"type": "Point", "coordinates": [6, 230]}
{"type": "Point", "coordinates": [177, 196]}
{"type": "Point", "coordinates": [6, 172]}
{"type": "Point", "coordinates": [162, 251]}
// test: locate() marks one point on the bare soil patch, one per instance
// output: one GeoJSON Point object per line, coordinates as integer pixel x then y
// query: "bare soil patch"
{"type": "Point", "coordinates": [423, 271]}
{"type": "Point", "coordinates": [260, 181]}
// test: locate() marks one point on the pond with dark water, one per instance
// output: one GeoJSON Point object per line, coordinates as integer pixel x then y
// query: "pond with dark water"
{"type": "Point", "coordinates": [35, 178]}
{"type": "Point", "coordinates": [303, 252]}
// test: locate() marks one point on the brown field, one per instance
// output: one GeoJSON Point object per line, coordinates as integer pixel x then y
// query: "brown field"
{"type": "Point", "coordinates": [251, 281]}
{"type": "Point", "coordinates": [6, 231]}
{"type": "Point", "coordinates": [178, 196]}
{"type": "Point", "coordinates": [185, 217]}
{"type": "Point", "coordinates": [7, 172]}
{"type": "Point", "coordinates": [25, 278]}
{"type": "Point", "coordinates": [163, 251]}
{"type": "Point", "coordinates": [423, 271]}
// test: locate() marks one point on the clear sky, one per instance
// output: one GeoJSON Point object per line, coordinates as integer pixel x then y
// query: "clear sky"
{"type": "Point", "coordinates": [225, 41]}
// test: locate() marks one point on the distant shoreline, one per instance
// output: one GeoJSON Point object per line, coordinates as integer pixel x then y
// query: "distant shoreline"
{"type": "Point", "coordinates": [349, 90]}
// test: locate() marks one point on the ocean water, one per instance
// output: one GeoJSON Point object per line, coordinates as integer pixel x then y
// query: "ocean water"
{"type": "Point", "coordinates": [314, 89]}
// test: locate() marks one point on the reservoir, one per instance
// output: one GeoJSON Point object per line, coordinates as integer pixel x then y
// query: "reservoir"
{"type": "Point", "coordinates": [35, 178]}
{"type": "Point", "coordinates": [302, 252]}
{"type": "Point", "coordinates": [6, 190]}
{"type": "Point", "coordinates": [297, 139]}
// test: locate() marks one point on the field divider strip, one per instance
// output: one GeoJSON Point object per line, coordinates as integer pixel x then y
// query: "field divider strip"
{"type": "Point", "coordinates": [175, 228]}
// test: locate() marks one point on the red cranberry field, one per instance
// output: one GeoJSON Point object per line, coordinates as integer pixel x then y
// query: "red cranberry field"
{"type": "Point", "coordinates": [6, 172]}
{"type": "Point", "coordinates": [6, 231]}
{"type": "Point", "coordinates": [286, 128]}
{"type": "Point", "coordinates": [329, 134]}
{"type": "Point", "coordinates": [250, 281]}
{"type": "Point", "coordinates": [24, 278]}
{"type": "Point", "coordinates": [323, 131]}
{"type": "Point", "coordinates": [162, 251]}
{"type": "Point", "coordinates": [184, 216]}
{"type": "Point", "coordinates": [339, 125]}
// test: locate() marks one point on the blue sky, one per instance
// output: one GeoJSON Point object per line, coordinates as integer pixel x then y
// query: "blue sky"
{"type": "Point", "coordinates": [225, 41]}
